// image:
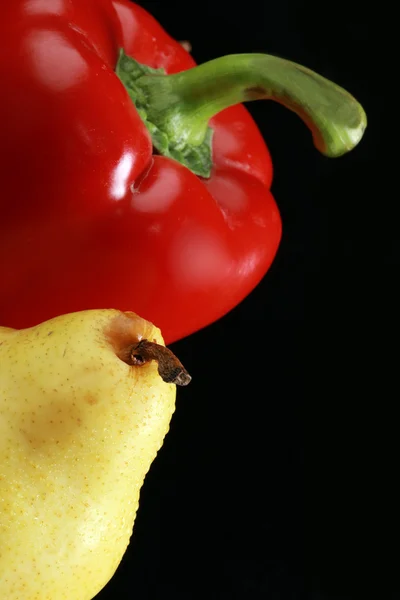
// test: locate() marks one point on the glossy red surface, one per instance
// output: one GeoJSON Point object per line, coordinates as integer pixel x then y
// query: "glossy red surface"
{"type": "Point", "coordinates": [89, 217]}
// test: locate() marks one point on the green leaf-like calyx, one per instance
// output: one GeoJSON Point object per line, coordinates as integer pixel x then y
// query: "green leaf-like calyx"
{"type": "Point", "coordinates": [197, 158]}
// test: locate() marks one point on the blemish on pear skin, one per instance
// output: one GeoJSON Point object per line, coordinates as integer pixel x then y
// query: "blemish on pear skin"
{"type": "Point", "coordinates": [91, 399]}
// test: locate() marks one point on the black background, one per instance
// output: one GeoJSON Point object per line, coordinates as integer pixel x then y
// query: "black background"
{"type": "Point", "coordinates": [264, 486]}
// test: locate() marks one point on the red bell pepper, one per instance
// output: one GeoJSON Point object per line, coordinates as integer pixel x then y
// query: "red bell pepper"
{"type": "Point", "coordinates": [132, 178]}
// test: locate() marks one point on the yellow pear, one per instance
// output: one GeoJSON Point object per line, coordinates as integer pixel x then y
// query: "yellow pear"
{"type": "Point", "coordinates": [85, 402]}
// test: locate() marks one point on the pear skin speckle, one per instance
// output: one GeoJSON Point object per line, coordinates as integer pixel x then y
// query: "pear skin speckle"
{"type": "Point", "coordinates": [79, 429]}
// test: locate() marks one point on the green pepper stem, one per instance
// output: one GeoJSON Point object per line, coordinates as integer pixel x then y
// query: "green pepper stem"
{"type": "Point", "coordinates": [181, 105]}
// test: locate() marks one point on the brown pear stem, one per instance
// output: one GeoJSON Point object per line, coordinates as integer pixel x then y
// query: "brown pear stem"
{"type": "Point", "coordinates": [170, 368]}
